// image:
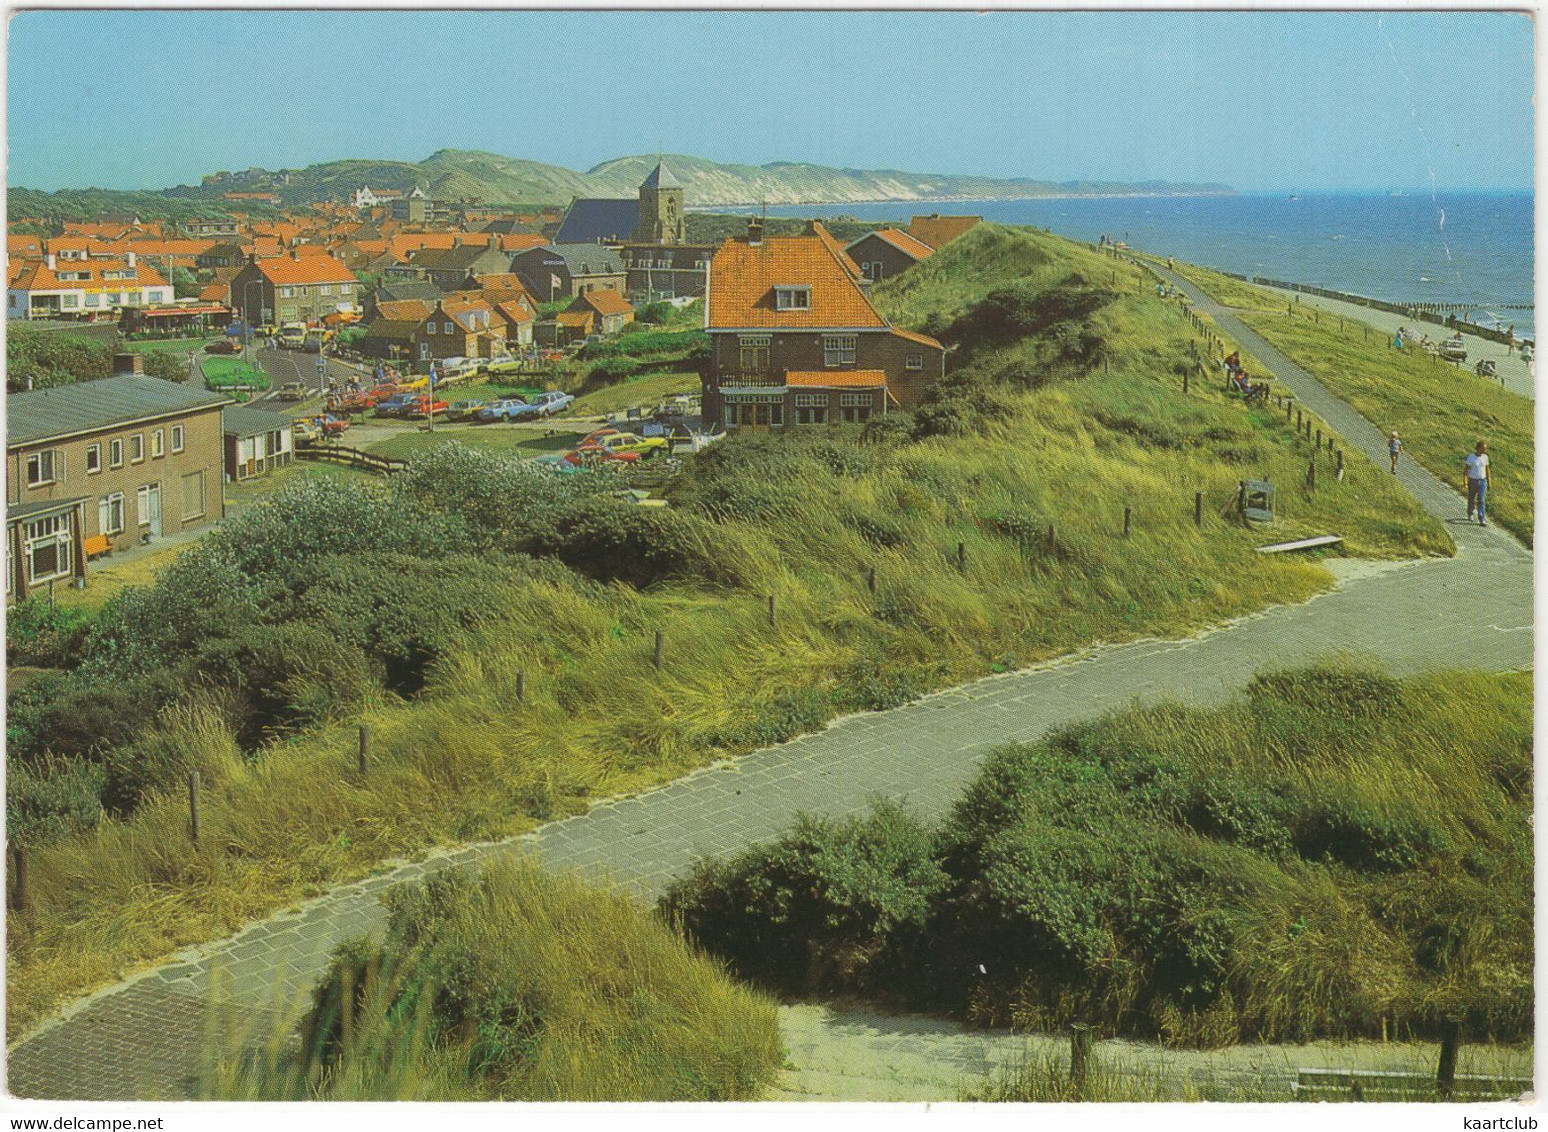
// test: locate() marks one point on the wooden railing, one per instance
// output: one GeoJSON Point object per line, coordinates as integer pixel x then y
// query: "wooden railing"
{"type": "Point", "coordinates": [353, 457]}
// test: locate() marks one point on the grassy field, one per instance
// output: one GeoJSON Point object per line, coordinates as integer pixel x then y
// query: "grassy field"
{"type": "Point", "coordinates": [803, 517]}
{"type": "Point", "coordinates": [173, 345]}
{"type": "Point", "coordinates": [529, 987]}
{"type": "Point", "coordinates": [497, 437]}
{"type": "Point", "coordinates": [643, 391]}
{"type": "Point", "coordinates": [1439, 410]}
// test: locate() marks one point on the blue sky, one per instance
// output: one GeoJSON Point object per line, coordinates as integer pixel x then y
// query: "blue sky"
{"type": "Point", "coordinates": [1362, 100]}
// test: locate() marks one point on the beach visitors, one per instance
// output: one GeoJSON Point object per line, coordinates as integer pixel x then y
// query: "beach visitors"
{"type": "Point", "coordinates": [1477, 482]}
{"type": "Point", "coordinates": [1160, 290]}
{"type": "Point", "coordinates": [1394, 447]}
{"type": "Point", "coordinates": [1169, 264]}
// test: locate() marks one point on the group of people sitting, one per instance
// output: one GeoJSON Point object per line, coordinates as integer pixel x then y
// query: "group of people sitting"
{"type": "Point", "coordinates": [1241, 382]}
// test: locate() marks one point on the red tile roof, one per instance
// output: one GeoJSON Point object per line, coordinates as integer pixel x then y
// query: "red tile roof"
{"type": "Point", "coordinates": [922, 339]}
{"type": "Point", "coordinates": [938, 231]}
{"type": "Point", "coordinates": [837, 379]}
{"type": "Point", "coordinates": [39, 277]}
{"type": "Point", "coordinates": [321, 268]}
{"type": "Point", "coordinates": [575, 318]}
{"type": "Point", "coordinates": [401, 310]}
{"type": "Point", "coordinates": [743, 277]}
{"type": "Point", "coordinates": [904, 242]}
{"type": "Point", "coordinates": [606, 302]}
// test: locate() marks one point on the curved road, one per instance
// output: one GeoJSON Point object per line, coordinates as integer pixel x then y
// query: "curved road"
{"type": "Point", "coordinates": [144, 1038]}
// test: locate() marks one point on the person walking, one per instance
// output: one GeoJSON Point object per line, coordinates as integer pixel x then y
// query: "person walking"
{"type": "Point", "coordinates": [1394, 448]}
{"type": "Point", "coordinates": [1477, 482]}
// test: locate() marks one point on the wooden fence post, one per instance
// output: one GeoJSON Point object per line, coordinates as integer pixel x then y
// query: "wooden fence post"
{"type": "Point", "coordinates": [521, 687]}
{"type": "Point", "coordinates": [1446, 1071]}
{"type": "Point", "coordinates": [1340, 455]}
{"type": "Point", "coordinates": [21, 896]}
{"type": "Point", "coordinates": [961, 556]}
{"type": "Point", "coordinates": [1185, 381]}
{"type": "Point", "coordinates": [1311, 474]}
{"type": "Point", "coordinates": [363, 750]}
{"type": "Point", "coordinates": [771, 611]}
{"type": "Point", "coordinates": [660, 649]}
{"type": "Point", "coordinates": [1298, 420]}
{"type": "Point", "coordinates": [1319, 439]}
{"type": "Point", "coordinates": [1287, 410]}
{"type": "Point", "coordinates": [1080, 1054]}
{"type": "Point", "coordinates": [1050, 538]}
{"type": "Point", "coordinates": [870, 580]}
{"type": "Point", "coordinates": [1241, 497]}
{"type": "Point", "coordinates": [1198, 508]}
{"type": "Point", "coordinates": [1128, 520]}
{"type": "Point", "coordinates": [193, 805]}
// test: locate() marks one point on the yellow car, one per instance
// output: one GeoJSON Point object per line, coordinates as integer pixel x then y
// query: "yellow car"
{"type": "Point", "coordinates": [620, 442]}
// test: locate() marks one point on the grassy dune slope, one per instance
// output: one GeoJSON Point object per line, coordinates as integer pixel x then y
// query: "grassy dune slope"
{"type": "Point", "coordinates": [803, 517]}
{"type": "Point", "coordinates": [1439, 411]}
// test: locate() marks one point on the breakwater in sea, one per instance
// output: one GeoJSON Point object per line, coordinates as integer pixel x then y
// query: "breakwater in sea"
{"type": "Point", "coordinates": [1441, 314]}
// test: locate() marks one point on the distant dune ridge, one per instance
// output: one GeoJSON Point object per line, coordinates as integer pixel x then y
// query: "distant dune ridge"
{"type": "Point", "coordinates": [460, 174]}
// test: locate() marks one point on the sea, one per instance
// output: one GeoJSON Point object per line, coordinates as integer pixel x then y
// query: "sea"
{"type": "Point", "coordinates": [1472, 248]}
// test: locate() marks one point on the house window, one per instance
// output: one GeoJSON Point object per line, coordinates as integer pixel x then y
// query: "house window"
{"type": "Point", "coordinates": [136, 448]}
{"type": "Point", "coordinates": [326, 288]}
{"type": "Point", "coordinates": [449, 329]}
{"type": "Point", "coordinates": [69, 301]}
{"type": "Point", "coordinates": [731, 421]}
{"type": "Point", "coordinates": [115, 453]}
{"type": "Point", "coordinates": [872, 270]}
{"type": "Point", "coordinates": [430, 328]}
{"type": "Point", "coordinates": [40, 468]}
{"type": "Point", "coordinates": [811, 408]}
{"type": "Point", "coordinates": [93, 458]}
{"type": "Point", "coordinates": [838, 349]}
{"type": "Point", "coordinates": [47, 548]}
{"type": "Point", "coordinates": [159, 443]}
{"type": "Point", "coordinates": [93, 299]}
{"type": "Point", "coordinates": [177, 438]}
{"type": "Point", "coordinates": [287, 292]}
{"type": "Point", "coordinates": [193, 495]}
{"type": "Point", "coordinates": [913, 361]}
{"type": "Point", "coordinates": [110, 514]}
{"type": "Point", "coordinates": [792, 298]}
{"type": "Point", "coordinates": [755, 352]}
{"type": "Point", "coordinates": [812, 416]}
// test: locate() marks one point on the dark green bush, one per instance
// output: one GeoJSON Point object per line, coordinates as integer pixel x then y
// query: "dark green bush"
{"type": "Point", "coordinates": [817, 909]}
{"type": "Point", "coordinates": [612, 541]}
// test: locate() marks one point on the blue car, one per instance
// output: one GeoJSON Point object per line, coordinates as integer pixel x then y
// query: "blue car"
{"type": "Point", "coordinates": [506, 409]}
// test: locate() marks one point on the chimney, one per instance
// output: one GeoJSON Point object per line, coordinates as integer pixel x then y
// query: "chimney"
{"type": "Point", "coordinates": [811, 227]}
{"type": "Point", "coordinates": [130, 258]}
{"type": "Point", "coordinates": [755, 231]}
{"type": "Point", "coordinates": [456, 241]}
{"type": "Point", "coordinates": [295, 255]}
{"type": "Point", "coordinates": [50, 260]}
{"type": "Point", "coordinates": [127, 364]}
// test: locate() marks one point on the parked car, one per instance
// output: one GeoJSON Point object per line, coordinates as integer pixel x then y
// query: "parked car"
{"type": "Point", "coordinates": [503, 363]}
{"type": "Point", "coordinates": [292, 335]}
{"type": "Point", "coordinates": [379, 393]}
{"type": "Point", "coordinates": [1454, 349]}
{"type": "Point", "coordinates": [596, 435]}
{"type": "Point", "coordinates": [593, 454]}
{"type": "Point", "coordinates": [620, 442]}
{"type": "Point", "coordinates": [547, 404]}
{"type": "Point", "coordinates": [349, 402]}
{"type": "Point", "coordinates": [306, 430]}
{"type": "Point", "coordinates": [505, 409]}
{"type": "Point", "coordinates": [395, 406]}
{"type": "Point", "coordinates": [332, 426]}
{"type": "Point", "coordinates": [293, 391]}
{"type": "Point", "coordinates": [556, 462]}
{"type": "Point", "coordinates": [421, 405]}
{"type": "Point", "coordinates": [224, 346]}
{"type": "Point", "coordinates": [464, 410]}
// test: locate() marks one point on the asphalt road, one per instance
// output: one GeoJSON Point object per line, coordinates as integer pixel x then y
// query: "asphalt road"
{"type": "Point", "coordinates": [285, 366]}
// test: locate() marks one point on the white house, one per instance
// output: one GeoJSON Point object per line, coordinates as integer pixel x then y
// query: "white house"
{"type": "Point", "coordinates": [55, 288]}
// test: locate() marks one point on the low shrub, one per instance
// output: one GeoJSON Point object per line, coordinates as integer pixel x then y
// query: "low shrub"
{"type": "Point", "coordinates": [820, 909]}
{"type": "Point", "coordinates": [52, 799]}
{"type": "Point", "coordinates": [512, 984]}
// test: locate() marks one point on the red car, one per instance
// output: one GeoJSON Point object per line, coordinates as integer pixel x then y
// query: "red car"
{"type": "Point", "coordinates": [349, 403]}
{"type": "Point", "coordinates": [380, 393]}
{"type": "Point", "coordinates": [332, 426]}
{"type": "Point", "coordinates": [422, 406]}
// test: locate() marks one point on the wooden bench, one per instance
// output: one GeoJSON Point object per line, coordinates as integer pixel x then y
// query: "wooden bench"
{"type": "Point", "coordinates": [1301, 544]}
{"type": "Point", "coordinates": [98, 545]}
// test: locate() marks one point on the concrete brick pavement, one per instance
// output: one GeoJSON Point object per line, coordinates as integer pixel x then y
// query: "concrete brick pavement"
{"type": "Point", "coordinates": [143, 1039]}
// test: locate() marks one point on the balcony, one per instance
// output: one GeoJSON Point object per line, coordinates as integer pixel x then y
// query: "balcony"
{"type": "Point", "coordinates": [760, 380]}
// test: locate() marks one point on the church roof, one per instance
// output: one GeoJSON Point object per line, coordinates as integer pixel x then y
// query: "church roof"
{"type": "Point", "coordinates": [590, 219]}
{"type": "Point", "coordinates": [661, 178]}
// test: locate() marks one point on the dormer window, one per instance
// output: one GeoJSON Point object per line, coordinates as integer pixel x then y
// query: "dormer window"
{"type": "Point", "coordinates": [792, 298]}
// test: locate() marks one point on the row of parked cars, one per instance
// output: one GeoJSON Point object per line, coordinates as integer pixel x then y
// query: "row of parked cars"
{"type": "Point", "coordinates": [513, 408]}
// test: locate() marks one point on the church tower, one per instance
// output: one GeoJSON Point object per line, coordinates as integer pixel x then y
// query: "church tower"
{"type": "Point", "coordinates": [661, 208]}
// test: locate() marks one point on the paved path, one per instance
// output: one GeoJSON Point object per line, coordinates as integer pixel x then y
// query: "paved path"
{"type": "Point", "coordinates": [143, 1039]}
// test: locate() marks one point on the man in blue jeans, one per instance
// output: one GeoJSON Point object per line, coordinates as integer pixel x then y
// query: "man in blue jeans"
{"type": "Point", "coordinates": [1477, 481]}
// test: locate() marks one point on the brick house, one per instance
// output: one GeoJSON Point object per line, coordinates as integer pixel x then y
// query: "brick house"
{"type": "Point", "coordinates": [449, 268]}
{"type": "Point", "coordinates": [565, 271]}
{"type": "Point", "coordinates": [292, 288]}
{"type": "Point", "coordinates": [795, 341]}
{"type": "Point", "coordinates": [611, 309]}
{"type": "Point", "coordinates": [83, 288]}
{"type": "Point", "coordinates": [887, 252]}
{"type": "Point", "coordinates": [458, 328]}
{"type": "Point", "coordinates": [101, 463]}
